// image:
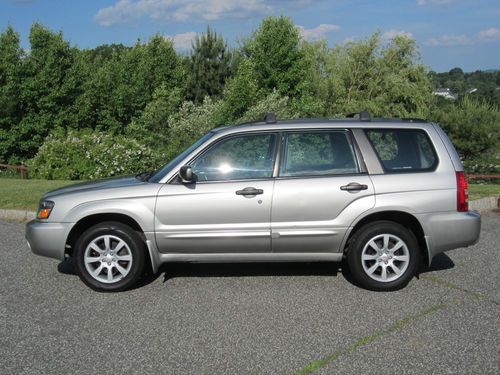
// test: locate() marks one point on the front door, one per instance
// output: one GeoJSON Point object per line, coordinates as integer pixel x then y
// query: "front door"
{"type": "Point", "coordinates": [228, 208]}
{"type": "Point", "coordinates": [319, 192]}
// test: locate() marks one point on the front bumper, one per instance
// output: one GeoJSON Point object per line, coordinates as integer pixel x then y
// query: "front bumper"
{"type": "Point", "coordinates": [450, 230]}
{"type": "Point", "coordinates": [47, 239]}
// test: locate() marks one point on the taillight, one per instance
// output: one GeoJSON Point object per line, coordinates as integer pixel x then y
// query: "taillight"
{"type": "Point", "coordinates": [462, 193]}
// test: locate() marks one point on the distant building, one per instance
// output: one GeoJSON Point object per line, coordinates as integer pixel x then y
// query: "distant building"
{"type": "Point", "coordinates": [445, 93]}
{"type": "Point", "coordinates": [473, 90]}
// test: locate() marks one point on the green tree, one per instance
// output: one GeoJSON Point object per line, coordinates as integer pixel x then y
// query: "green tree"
{"type": "Point", "coordinates": [209, 66]}
{"type": "Point", "coordinates": [387, 81]}
{"type": "Point", "coordinates": [47, 91]}
{"type": "Point", "coordinates": [241, 91]}
{"type": "Point", "coordinates": [473, 126]}
{"type": "Point", "coordinates": [152, 127]}
{"type": "Point", "coordinates": [10, 91]}
{"type": "Point", "coordinates": [275, 51]}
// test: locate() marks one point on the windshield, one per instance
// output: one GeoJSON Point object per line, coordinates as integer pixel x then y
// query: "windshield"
{"type": "Point", "coordinates": [171, 165]}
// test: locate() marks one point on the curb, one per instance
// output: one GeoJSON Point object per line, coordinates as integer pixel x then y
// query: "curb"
{"type": "Point", "coordinates": [17, 215]}
{"type": "Point", "coordinates": [485, 203]}
{"type": "Point", "coordinates": [25, 215]}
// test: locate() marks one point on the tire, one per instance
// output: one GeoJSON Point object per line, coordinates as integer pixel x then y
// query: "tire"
{"type": "Point", "coordinates": [383, 256]}
{"type": "Point", "coordinates": [110, 247]}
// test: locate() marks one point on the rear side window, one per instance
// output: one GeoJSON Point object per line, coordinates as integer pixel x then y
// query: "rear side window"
{"type": "Point", "coordinates": [318, 153]}
{"type": "Point", "coordinates": [403, 150]}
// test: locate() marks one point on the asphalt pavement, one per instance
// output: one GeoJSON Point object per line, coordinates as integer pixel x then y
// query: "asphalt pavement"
{"type": "Point", "coordinates": [251, 318]}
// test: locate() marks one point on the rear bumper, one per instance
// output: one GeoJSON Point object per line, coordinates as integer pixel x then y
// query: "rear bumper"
{"type": "Point", "coordinates": [450, 230]}
{"type": "Point", "coordinates": [47, 239]}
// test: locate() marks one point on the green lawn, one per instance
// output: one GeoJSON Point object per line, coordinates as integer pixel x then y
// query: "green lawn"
{"type": "Point", "coordinates": [477, 191]}
{"type": "Point", "coordinates": [24, 194]}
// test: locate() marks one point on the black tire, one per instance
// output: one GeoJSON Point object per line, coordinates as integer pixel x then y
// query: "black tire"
{"type": "Point", "coordinates": [360, 245]}
{"type": "Point", "coordinates": [134, 248]}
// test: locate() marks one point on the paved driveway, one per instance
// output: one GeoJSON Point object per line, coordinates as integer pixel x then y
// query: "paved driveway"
{"type": "Point", "coordinates": [255, 319]}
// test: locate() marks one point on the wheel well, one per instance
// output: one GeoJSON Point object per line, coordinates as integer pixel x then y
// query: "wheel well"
{"type": "Point", "coordinates": [407, 220]}
{"type": "Point", "coordinates": [83, 224]}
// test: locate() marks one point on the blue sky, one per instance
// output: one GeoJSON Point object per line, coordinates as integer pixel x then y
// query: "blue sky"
{"type": "Point", "coordinates": [450, 33]}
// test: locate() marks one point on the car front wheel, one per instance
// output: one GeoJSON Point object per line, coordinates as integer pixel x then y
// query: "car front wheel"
{"type": "Point", "coordinates": [109, 257]}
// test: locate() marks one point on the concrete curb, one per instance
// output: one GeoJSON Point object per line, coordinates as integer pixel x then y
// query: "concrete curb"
{"type": "Point", "coordinates": [17, 215]}
{"type": "Point", "coordinates": [25, 215]}
{"type": "Point", "coordinates": [485, 203]}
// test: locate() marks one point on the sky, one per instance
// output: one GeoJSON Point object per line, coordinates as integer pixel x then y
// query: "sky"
{"type": "Point", "coordinates": [450, 33]}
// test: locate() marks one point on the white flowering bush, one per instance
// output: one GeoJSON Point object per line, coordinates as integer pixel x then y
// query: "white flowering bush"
{"type": "Point", "coordinates": [88, 155]}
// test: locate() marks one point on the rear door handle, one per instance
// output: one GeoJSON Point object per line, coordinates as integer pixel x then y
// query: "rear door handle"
{"type": "Point", "coordinates": [249, 191]}
{"type": "Point", "coordinates": [354, 186]}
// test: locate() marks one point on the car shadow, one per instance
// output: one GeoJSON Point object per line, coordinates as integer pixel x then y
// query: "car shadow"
{"type": "Point", "coordinates": [67, 267]}
{"type": "Point", "coordinates": [440, 262]}
{"type": "Point", "coordinates": [174, 270]}
{"type": "Point", "coordinates": [171, 271]}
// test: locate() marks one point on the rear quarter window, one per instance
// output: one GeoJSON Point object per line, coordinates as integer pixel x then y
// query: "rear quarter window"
{"type": "Point", "coordinates": [403, 150]}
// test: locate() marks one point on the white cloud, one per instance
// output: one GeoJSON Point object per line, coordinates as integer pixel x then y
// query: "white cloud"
{"type": "Point", "coordinates": [448, 40]}
{"type": "Point", "coordinates": [318, 32]}
{"type": "Point", "coordinates": [489, 35]}
{"type": "Point", "coordinates": [182, 41]}
{"type": "Point", "coordinates": [130, 11]}
{"type": "Point", "coordinates": [391, 34]}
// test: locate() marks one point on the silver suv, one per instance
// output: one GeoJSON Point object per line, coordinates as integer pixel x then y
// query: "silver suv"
{"type": "Point", "coordinates": [387, 195]}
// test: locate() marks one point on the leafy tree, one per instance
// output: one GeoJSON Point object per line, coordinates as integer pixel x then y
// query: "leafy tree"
{"type": "Point", "coordinates": [473, 126]}
{"type": "Point", "coordinates": [277, 56]}
{"type": "Point", "coordinates": [241, 92]}
{"type": "Point", "coordinates": [388, 81]}
{"type": "Point", "coordinates": [47, 91]}
{"type": "Point", "coordinates": [152, 126]}
{"type": "Point", "coordinates": [10, 91]}
{"type": "Point", "coordinates": [192, 121]}
{"type": "Point", "coordinates": [209, 66]}
{"type": "Point", "coordinates": [271, 103]}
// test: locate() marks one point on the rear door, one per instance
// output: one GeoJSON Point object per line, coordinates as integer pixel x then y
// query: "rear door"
{"type": "Point", "coordinates": [321, 188]}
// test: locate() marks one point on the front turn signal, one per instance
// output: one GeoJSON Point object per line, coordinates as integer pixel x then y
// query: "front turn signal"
{"type": "Point", "coordinates": [44, 209]}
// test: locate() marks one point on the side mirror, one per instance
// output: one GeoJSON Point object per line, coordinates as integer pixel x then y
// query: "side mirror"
{"type": "Point", "coordinates": [186, 174]}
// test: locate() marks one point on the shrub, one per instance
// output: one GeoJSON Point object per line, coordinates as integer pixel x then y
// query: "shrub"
{"type": "Point", "coordinates": [88, 155]}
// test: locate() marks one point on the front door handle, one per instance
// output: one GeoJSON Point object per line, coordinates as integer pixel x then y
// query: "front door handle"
{"type": "Point", "coordinates": [249, 191]}
{"type": "Point", "coordinates": [354, 186]}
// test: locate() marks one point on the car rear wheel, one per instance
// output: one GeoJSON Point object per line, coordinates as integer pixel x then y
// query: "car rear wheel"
{"type": "Point", "coordinates": [109, 257]}
{"type": "Point", "coordinates": [383, 256]}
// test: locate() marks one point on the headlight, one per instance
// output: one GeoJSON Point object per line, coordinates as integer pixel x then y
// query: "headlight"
{"type": "Point", "coordinates": [44, 209]}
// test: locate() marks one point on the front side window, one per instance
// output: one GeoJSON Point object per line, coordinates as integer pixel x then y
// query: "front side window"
{"type": "Point", "coordinates": [403, 150]}
{"type": "Point", "coordinates": [318, 153]}
{"type": "Point", "coordinates": [237, 158]}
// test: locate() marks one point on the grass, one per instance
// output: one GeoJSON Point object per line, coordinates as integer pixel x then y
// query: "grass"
{"type": "Point", "coordinates": [25, 194]}
{"type": "Point", "coordinates": [477, 191]}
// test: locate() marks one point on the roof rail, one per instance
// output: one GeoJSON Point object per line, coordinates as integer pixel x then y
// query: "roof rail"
{"type": "Point", "coordinates": [363, 115]}
{"type": "Point", "coordinates": [270, 118]}
{"type": "Point", "coordinates": [413, 119]}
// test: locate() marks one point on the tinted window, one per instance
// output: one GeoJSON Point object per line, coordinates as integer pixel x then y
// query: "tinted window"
{"type": "Point", "coordinates": [403, 150]}
{"type": "Point", "coordinates": [236, 158]}
{"type": "Point", "coordinates": [318, 153]}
